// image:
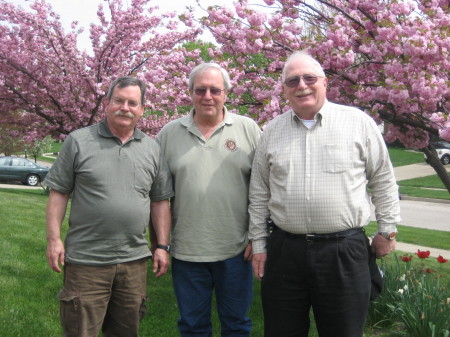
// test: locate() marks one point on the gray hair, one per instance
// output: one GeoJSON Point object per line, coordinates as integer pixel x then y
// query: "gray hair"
{"type": "Point", "coordinates": [301, 54]}
{"type": "Point", "coordinates": [205, 66]}
{"type": "Point", "coordinates": [126, 81]}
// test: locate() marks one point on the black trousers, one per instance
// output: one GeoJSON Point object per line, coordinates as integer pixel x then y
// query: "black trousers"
{"type": "Point", "coordinates": [331, 276]}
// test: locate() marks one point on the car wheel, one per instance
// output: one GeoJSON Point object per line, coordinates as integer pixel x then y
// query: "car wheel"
{"type": "Point", "coordinates": [445, 159]}
{"type": "Point", "coordinates": [32, 180]}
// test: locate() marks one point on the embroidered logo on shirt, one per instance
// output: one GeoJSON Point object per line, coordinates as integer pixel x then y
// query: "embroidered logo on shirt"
{"type": "Point", "coordinates": [230, 145]}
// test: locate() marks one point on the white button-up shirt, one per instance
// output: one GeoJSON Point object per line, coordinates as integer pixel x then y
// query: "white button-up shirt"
{"type": "Point", "coordinates": [322, 180]}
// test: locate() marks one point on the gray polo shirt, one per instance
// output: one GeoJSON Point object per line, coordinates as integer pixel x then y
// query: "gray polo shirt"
{"type": "Point", "coordinates": [211, 179]}
{"type": "Point", "coordinates": [112, 185]}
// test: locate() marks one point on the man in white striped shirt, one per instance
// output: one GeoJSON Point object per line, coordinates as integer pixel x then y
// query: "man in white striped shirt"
{"type": "Point", "coordinates": [309, 202]}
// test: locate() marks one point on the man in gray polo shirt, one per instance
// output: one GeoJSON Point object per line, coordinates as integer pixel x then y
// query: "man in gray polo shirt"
{"type": "Point", "coordinates": [115, 174]}
{"type": "Point", "coordinates": [210, 153]}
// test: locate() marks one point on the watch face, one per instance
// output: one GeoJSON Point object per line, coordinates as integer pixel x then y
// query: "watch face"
{"type": "Point", "coordinates": [166, 248]}
{"type": "Point", "coordinates": [392, 236]}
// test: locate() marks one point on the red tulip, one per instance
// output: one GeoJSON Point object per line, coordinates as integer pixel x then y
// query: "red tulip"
{"type": "Point", "coordinates": [423, 254]}
{"type": "Point", "coordinates": [406, 258]}
{"type": "Point", "coordinates": [441, 259]}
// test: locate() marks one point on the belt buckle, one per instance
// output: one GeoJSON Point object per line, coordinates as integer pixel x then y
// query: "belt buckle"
{"type": "Point", "coordinates": [310, 237]}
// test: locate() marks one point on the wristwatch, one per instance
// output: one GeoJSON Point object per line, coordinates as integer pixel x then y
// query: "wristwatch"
{"type": "Point", "coordinates": [389, 236]}
{"type": "Point", "coordinates": [164, 247]}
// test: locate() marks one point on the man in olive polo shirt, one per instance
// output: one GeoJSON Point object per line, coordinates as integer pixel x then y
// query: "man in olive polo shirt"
{"type": "Point", "coordinates": [115, 174]}
{"type": "Point", "coordinates": [210, 154]}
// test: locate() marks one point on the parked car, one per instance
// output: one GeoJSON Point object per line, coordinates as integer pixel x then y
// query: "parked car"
{"type": "Point", "coordinates": [21, 169]}
{"type": "Point", "coordinates": [443, 151]}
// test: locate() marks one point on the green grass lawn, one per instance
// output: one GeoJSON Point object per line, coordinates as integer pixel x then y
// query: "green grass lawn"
{"type": "Point", "coordinates": [418, 236]}
{"type": "Point", "coordinates": [28, 287]}
{"type": "Point", "coordinates": [425, 187]}
{"type": "Point", "coordinates": [400, 156]}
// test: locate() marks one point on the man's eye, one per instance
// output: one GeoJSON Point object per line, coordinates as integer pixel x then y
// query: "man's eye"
{"type": "Point", "coordinates": [309, 78]}
{"type": "Point", "coordinates": [200, 91]}
{"type": "Point", "coordinates": [215, 91]}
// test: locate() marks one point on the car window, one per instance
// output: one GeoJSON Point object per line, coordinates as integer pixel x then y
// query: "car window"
{"type": "Point", "coordinates": [4, 161]}
{"type": "Point", "coordinates": [444, 145]}
{"type": "Point", "coordinates": [18, 162]}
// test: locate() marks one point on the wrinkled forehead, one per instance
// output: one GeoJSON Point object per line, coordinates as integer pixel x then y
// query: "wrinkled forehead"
{"type": "Point", "coordinates": [302, 66]}
{"type": "Point", "coordinates": [209, 77]}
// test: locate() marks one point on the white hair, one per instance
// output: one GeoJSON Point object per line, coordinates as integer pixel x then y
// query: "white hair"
{"type": "Point", "coordinates": [301, 54]}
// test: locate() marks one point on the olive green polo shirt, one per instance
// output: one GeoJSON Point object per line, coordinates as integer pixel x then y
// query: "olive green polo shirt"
{"type": "Point", "coordinates": [112, 185]}
{"type": "Point", "coordinates": [211, 179]}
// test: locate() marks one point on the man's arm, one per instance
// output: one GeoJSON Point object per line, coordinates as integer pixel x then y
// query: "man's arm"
{"type": "Point", "coordinates": [385, 197]}
{"type": "Point", "coordinates": [259, 196]}
{"type": "Point", "coordinates": [160, 225]}
{"type": "Point", "coordinates": [56, 210]}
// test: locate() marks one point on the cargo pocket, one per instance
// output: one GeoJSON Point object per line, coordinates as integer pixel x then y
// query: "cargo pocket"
{"type": "Point", "coordinates": [69, 312]}
{"type": "Point", "coordinates": [143, 309]}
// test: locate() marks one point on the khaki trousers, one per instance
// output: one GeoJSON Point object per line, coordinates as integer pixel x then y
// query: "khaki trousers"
{"type": "Point", "coordinates": [111, 298]}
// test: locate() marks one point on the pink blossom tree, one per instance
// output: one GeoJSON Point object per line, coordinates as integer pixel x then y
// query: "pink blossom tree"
{"type": "Point", "coordinates": [58, 88]}
{"type": "Point", "coordinates": [388, 57]}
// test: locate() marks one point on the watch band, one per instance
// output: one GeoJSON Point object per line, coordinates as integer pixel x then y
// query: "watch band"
{"type": "Point", "coordinates": [389, 236]}
{"type": "Point", "coordinates": [164, 247]}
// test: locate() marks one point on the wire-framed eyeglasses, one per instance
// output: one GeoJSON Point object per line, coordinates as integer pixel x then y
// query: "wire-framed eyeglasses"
{"type": "Point", "coordinates": [308, 79]}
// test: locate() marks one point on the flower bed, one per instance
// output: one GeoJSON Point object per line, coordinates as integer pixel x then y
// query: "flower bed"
{"type": "Point", "coordinates": [415, 301]}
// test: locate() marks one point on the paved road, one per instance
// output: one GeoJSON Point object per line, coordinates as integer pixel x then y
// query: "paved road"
{"type": "Point", "coordinates": [424, 214]}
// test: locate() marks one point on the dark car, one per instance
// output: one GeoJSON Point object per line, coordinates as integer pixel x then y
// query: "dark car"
{"type": "Point", "coordinates": [21, 169]}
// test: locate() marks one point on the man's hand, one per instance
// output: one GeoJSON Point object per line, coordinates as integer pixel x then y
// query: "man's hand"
{"type": "Point", "coordinates": [382, 246]}
{"type": "Point", "coordinates": [161, 262]}
{"type": "Point", "coordinates": [55, 254]}
{"type": "Point", "coordinates": [258, 263]}
{"type": "Point", "coordinates": [248, 252]}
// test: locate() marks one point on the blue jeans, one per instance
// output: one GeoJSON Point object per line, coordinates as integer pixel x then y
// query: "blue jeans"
{"type": "Point", "coordinates": [194, 283]}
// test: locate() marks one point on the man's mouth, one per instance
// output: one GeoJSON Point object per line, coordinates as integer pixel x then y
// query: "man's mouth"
{"type": "Point", "coordinates": [303, 93]}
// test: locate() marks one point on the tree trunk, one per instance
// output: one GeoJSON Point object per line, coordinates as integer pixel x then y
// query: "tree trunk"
{"type": "Point", "coordinates": [434, 161]}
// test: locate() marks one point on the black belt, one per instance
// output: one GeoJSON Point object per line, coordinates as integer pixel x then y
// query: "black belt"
{"type": "Point", "coordinates": [321, 237]}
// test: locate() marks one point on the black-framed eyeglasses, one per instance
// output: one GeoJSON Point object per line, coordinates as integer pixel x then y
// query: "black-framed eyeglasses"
{"type": "Point", "coordinates": [213, 91]}
{"type": "Point", "coordinates": [308, 79]}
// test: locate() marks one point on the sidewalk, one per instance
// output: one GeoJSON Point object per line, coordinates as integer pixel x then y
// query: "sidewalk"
{"type": "Point", "coordinates": [415, 171]}
{"type": "Point", "coordinates": [412, 249]}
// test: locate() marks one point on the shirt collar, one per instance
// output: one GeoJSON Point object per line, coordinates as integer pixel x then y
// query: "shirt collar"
{"type": "Point", "coordinates": [189, 121]}
{"type": "Point", "coordinates": [319, 117]}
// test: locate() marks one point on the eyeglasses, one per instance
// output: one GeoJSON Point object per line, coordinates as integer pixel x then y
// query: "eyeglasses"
{"type": "Point", "coordinates": [213, 91]}
{"type": "Point", "coordinates": [121, 101]}
{"type": "Point", "coordinates": [308, 79]}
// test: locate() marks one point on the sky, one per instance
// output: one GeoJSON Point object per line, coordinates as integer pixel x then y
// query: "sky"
{"type": "Point", "coordinates": [84, 11]}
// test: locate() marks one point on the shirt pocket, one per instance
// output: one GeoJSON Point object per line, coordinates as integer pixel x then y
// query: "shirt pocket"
{"type": "Point", "coordinates": [143, 178]}
{"type": "Point", "coordinates": [337, 158]}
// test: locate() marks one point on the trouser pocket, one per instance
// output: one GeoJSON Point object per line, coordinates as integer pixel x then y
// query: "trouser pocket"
{"type": "Point", "coordinates": [69, 312]}
{"type": "Point", "coordinates": [143, 309]}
